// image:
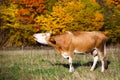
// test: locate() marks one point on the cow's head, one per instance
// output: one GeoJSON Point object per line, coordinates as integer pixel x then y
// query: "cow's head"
{"type": "Point", "coordinates": [41, 37]}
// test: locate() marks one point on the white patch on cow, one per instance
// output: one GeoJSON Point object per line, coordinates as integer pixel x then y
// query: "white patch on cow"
{"type": "Point", "coordinates": [94, 63]}
{"type": "Point", "coordinates": [102, 70]}
{"type": "Point", "coordinates": [95, 52]}
{"type": "Point", "coordinates": [71, 69]}
{"type": "Point", "coordinates": [65, 55]}
{"type": "Point", "coordinates": [76, 51]}
{"type": "Point", "coordinates": [41, 37]}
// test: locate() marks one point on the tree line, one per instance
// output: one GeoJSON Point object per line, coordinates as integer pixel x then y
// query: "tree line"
{"type": "Point", "coordinates": [20, 19]}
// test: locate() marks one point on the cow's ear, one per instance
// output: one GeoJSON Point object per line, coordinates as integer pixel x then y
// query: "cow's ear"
{"type": "Point", "coordinates": [52, 40]}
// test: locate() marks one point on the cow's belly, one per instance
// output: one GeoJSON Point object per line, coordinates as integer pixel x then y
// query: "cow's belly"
{"type": "Point", "coordinates": [66, 55]}
{"type": "Point", "coordinates": [77, 51]}
{"type": "Point", "coordinates": [81, 52]}
{"type": "Point", "coordinates": [83, 48]}
{"type": "Point", "coordinates": [83, 45]}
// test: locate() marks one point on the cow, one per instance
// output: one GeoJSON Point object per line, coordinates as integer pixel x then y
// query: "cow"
{"type": "Point", "coordinates": [68, 43]}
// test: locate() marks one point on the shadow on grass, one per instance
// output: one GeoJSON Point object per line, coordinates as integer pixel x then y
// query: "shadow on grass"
{"type": "Point", "coordinates": [76, 65]}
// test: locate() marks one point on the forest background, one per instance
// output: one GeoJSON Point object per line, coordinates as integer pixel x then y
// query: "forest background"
{"type": "Point", "coordinates": [20, 19]}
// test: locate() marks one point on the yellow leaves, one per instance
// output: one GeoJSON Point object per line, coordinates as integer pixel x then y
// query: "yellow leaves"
{"type": "Point", "coordinates": [98, 16]}
{"type": "Point", "coordinates": [73, 7]}
{"type": "Point", "coordinates": [86, 16]}
{"type": "Point", "coordinates": [16, 25]}
{"type": "Point", "coordinates": [71, 15]}
{"type": "Point", "coordinates": [98, 21]}
{"type": "Point", "coordinates": [56, 21]}
{"type": "Point", "coordinates": [93, 1]}
{"type": "Point", "coordinates": [76, 4]}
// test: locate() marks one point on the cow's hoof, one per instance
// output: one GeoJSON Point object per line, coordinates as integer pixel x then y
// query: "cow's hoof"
{"type": "Point", "coordinates": [71, 69]}
{"type": "Point", "coordinates": [102, 70]}
{"type": "Point", "coordinates": [91, 69]}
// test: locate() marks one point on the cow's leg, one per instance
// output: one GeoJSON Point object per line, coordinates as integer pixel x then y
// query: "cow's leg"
{"type": "Point", "coordinates": [68, 56]}
{"type": "Point", "coordinates": [71, 49]}
{"type": "Point", "coordinates": [71, 68]}
{"type": "Point", "coordinates": [102, 54]}
{"type": "Point", "coordinates": [103, 61]}
{"type": "Point", "coordinates": [95, 59]}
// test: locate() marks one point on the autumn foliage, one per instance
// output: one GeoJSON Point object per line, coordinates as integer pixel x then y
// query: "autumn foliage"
{"type": "Point", "coordinates": [29, 9]}
{"type": "Point", "coordinates": [20, 19]}
{"type": "Point", "coordinates": [112, 19]}
{"type": "Point", "coordinates": [70, 15]}
{"type": "Point", "coordinates": [115, 3]}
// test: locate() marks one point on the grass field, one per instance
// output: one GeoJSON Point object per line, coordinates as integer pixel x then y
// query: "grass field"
{"type": "Point", "coordinates": [48, 65]}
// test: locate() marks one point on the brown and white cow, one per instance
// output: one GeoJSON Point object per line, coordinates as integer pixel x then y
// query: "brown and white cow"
{"type": "Point", "coordinates": [69, 43]}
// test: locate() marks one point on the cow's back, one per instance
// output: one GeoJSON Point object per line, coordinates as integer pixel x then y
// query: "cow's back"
{"type": "Point", "coordinates": [80, 41]}
{"type": "Point", "coordinates": [86, 41]}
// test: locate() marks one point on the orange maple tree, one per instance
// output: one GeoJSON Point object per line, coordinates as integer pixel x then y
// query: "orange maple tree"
{"type": "Point", "coordinates": [29, 9]}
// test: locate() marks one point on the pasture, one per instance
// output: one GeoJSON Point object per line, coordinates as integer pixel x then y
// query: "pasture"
{"type": "Point", "coordinates": [46, 64]}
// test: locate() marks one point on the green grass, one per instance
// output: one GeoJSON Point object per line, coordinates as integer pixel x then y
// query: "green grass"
{"type": "Point", "coordinates": [48, 65]}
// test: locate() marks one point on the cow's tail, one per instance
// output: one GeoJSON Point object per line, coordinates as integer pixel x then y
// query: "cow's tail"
{"type": "Point", "coordinates": [105, 49]}
{"type": "Point", "coordinates": [105, 57]}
